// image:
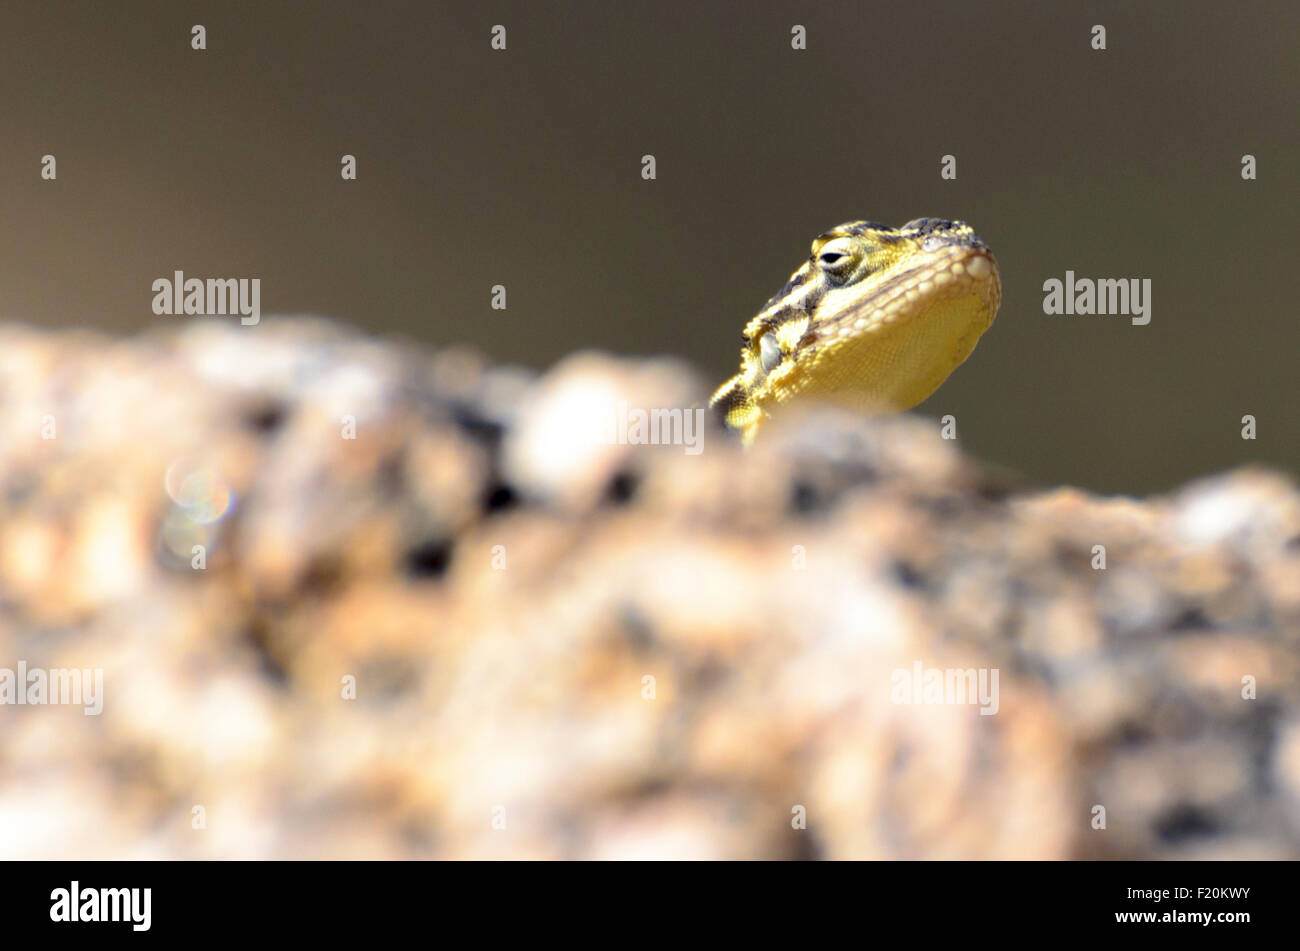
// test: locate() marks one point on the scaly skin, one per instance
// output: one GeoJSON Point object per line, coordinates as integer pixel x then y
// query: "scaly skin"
{"type": "Point", "coordinates": [876, 319]}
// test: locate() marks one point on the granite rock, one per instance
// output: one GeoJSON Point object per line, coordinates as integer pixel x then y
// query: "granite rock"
{"type": "Point", "coordinates": [565, 645]}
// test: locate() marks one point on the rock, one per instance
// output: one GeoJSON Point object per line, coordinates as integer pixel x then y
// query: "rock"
{"type": "Point", "coordinates": [481, 629]}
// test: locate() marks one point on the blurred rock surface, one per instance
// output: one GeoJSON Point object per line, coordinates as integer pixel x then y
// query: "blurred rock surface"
{"type": "Point", "coordinates": [565, 647]}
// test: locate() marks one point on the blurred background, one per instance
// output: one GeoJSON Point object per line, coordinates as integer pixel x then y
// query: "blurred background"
{"type": "Point", "coordinates": [522, 168]}
{"type": "Point", "coordinates": [315, 646]}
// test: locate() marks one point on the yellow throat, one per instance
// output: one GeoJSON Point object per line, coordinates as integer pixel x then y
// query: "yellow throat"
{"type": "Point", "coordinates": [875, 319]}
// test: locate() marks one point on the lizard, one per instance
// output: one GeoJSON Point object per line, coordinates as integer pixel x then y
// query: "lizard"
{"type": "Point", "coordinates": [876, 319]}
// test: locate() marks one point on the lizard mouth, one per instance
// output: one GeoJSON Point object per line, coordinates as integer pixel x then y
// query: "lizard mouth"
{"type": "Point", "coordinates": [966, 271]}
{"type": "Point", "coordinates": [950, 273]}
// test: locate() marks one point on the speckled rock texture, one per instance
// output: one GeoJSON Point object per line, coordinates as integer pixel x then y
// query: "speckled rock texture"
{"type": "Point", "coordinates": [567, 647]}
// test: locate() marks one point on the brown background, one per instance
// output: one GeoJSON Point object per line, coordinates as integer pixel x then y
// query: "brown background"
{"type": "Point", "coordinates": [523, 168]}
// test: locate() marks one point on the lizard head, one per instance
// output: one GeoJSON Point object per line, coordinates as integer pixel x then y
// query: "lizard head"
{"type": "Point", "coordinates": [876, 318]}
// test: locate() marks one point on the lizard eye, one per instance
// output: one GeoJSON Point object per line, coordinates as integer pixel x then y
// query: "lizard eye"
{"type": "Point", "coordinates": [769, 352]}
{"type": "Point", "coordinates": [835, 258]}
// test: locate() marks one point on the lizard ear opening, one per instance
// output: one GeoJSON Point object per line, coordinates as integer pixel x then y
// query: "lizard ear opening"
{"type": "Point", "coordinates": [769, 352]}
